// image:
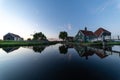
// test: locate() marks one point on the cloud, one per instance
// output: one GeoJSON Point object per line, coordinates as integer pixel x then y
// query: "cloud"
{"type": "Point", "coordinates": [69, 26]}
{"type": "Point", "coordinates": [117, 3]}
{"type": "Point", "coordinates": [66, 27]}
{"type": "Point", "coordinates": [101, 8]}
{"type": "Point", "coordinates": [110, 3]}
{"type": "Point", "coordinates": [118, 6]}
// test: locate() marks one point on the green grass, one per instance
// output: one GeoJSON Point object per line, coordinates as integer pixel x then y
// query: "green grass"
{"type": "Point", "coordinates": [95, 43]}
{"type": "Point", "coordinates": [113, 43]}
{"type": "Point", "coordinates": [24, 43]}
{"type": "Point", "coordinates": [33, 43]}
{"type": "Point", "coordinates": [91, 44]}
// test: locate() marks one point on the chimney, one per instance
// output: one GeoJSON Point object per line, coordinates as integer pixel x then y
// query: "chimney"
{"type": "Point", "coordinates": [85, 28]}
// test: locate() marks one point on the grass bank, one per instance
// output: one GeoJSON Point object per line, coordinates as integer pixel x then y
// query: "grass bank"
{"type": "Point", "coordinates": [25, 43]}
{"type": "Point", "coordinates": [99, 43]}
{"type": "Point", "coordinates": [95, 43]}
{"type": "Point", "coordinates": [33, 43]}
{"type": "Point", "coordinates": [91, 44]}
{"type": "Point", "coordinates": [113, 43]}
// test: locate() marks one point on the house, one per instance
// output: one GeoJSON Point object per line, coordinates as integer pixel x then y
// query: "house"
{"type": "Point", "coordinates": [70, 39]}
{"type": "Point", "coordinates": [102, 34]}
{"type": "Point", "coordinates": [11, 36]}
{"type": "Point", "coordinates": [84, 35]}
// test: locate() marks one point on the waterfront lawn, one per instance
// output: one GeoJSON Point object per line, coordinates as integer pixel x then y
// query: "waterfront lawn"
{"type": "Point", "coordinates": [113, 43]}
{"type": "Point", "coordinates": [96, 43]}
{"type": "Point", "coordinates": [24, 43]}
{"type": "Point", "coordinates": [32, 43]}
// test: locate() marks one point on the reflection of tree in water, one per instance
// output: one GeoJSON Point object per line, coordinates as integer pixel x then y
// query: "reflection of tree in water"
{"type": "Point", "coordinates": [10, 49]}
{"type": "Point", "coordinates": [63, 49]}
{"type": "Point", "coordinates": [38, 48]}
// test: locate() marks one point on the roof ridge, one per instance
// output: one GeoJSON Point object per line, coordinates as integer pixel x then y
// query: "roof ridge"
{"type": "Point", "coordinates": [100, 30]}
{"type": "Point", "coordinates": [87, 33]}
{"type": "Point", "coordinates": [14, 35]}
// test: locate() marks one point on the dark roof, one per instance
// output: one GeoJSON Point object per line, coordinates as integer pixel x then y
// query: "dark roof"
{"type": "Point", "coordinates": [101, 30]}
{"type": "Point", "coordinates": [14, 35]}
{"type": "Point", "coordinates": [87, 33]}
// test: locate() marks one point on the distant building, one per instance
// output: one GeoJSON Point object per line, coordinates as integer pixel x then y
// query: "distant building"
{"type": "Point", "coordinates": [70, 39]}
{"type": "Point", "coordinates": [84, 35]}
{"type": "Point", "coordinates": [102, 34]}
{"type": "Point", "coordinates": [11, 36]}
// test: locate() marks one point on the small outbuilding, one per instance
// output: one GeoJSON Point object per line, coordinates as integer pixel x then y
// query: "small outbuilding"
{"type": "Point", "coordinates": [70, 39]}
{"type": "Point", "coordinates": [11, 36]}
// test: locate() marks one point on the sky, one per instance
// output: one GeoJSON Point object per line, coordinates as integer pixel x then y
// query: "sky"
{"type": "Point", "coordinates": [25, 17]}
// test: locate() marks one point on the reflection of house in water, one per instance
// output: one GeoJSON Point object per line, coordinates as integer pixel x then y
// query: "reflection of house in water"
{"type": "Point", "coordinates": [10, 49]}
{"type": "Point", "coordinates": [103, 52]}
{"type": "Point", "coordinates": [88, 51]}
{"type": "Point", "coordinates": [38, 48]}
{"type": "Point", "coordinates": [69, 45]}
{"type": "Point", "coordinates": [83, 51]}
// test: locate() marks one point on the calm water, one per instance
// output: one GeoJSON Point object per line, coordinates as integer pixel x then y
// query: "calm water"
{"type": "Point", "coordinates": [59, 62]}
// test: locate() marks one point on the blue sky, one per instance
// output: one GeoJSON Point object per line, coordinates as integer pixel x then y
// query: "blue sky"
{"type": "Point", "coordinates": [25, 17]}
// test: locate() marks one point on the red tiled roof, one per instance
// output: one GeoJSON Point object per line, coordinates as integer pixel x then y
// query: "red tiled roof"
{"type": "Point", "coordinates": [87, 33]}
{"type": "Point", "coordinates": [100, 30]}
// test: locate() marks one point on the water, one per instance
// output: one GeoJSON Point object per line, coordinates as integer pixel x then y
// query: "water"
{"type": "Point", "coordinates": [59, 62]}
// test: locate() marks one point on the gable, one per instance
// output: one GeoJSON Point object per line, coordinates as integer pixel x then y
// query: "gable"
{"type": "Point", "coordinates": [100, 31]}
{"type": "Point", "coordinates": [80, 33]}
{"type": "Point", "coordinates": [12, 35]}
{"type": "Point", "coordinates": [8, 35]}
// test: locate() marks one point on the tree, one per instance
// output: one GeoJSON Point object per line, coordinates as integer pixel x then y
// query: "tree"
{"type": "Point", "coordinates": [29, 39]}
{"type": "Point", "coordinates": [63, 35]}
{"type": "Point", "coordinates": [39, 36]}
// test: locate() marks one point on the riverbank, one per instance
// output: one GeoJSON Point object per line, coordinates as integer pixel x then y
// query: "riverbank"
{"type": "Point", "coordinates": [33, 43]}
{"type": "Point", "coordinates": [99, 43]}
{"type": "Point", "coordinates": [26, 43]}
{"type": "Point", "coordinates": [94, 43]}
